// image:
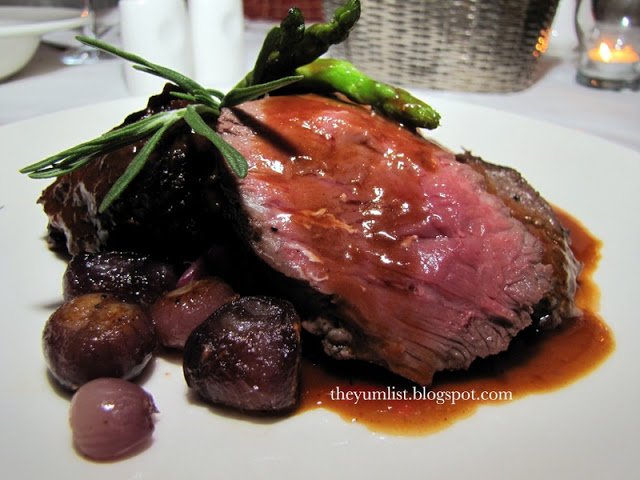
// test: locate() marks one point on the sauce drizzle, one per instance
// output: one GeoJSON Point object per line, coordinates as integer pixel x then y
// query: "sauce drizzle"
{"type": "Point", "coordinates": [536, 362]}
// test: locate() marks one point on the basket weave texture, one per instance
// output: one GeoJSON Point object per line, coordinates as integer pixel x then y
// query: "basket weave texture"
{"type": "Point", "coordinates": [464, 45]}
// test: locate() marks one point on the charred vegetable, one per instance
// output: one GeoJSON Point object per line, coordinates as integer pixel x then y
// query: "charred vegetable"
{"type": "Point", "coordinates": [130, 276]}
{"type": "Point", "coordinates": [97, 335]}
{"type": "Point", "coordinates": [247, 355]}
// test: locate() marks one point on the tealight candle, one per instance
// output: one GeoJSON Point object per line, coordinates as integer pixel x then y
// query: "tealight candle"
{"type": "Point", "coordinates": [613, 54]}
{"type": "Point", "coordinates": [610, 49]}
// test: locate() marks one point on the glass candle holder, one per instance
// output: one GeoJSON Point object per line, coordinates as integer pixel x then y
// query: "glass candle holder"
{"type": "Point", "coordinates": [609, 34]}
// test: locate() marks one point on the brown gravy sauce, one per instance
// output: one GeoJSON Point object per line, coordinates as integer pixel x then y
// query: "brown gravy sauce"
{"type": "Point", "coordinates": [536, 362]}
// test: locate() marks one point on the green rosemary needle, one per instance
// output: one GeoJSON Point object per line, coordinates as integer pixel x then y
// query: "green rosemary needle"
{"type": "Point", "coordinates": [202, 100]}
{"type": "Point", "coordinates": [134, 167]}
{"type": "Point", "coordinates": [234, 159]}
{"type": "Point", "coordinates": [185, 83]}
{"type": "Point", "coordinates": [286, 50]}
{"type": "Point", "coordinates": [73, 158]}
{"type": "Point", "coordinates": [243, 94]}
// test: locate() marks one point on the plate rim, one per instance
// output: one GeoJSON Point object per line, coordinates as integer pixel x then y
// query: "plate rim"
{"type": "Point", "coordinates": [429, 134]}
{"type": "Point", "coordinates": [144, 465]}
{"type": "Point", "coordinates": [61, 19]}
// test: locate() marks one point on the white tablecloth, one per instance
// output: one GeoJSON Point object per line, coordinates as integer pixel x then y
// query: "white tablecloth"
{"type": "Point", "coordinates": [48, 86]}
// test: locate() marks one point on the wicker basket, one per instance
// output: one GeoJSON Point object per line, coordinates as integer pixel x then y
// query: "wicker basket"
{"type": "Point", "coordinates": [465, 45]}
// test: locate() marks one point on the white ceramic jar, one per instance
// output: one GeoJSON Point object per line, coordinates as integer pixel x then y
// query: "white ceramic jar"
{"type": "Point", "coordinates": [157, 30]}
{"type": "Point", "coordinates": [217, 29]}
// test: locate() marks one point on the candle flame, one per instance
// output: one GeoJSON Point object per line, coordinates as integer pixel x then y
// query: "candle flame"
{"type": "Point", "coordinates": [605, 52]}
{"type": "Point", "coordinates": [616, 54]}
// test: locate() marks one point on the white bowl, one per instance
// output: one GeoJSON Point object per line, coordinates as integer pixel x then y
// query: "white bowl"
{"type": "Point", "coordinates": [22, 27]}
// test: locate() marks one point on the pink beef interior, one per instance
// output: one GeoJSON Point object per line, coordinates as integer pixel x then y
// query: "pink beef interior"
{"type": "Point", "coordinates": [427, 270]}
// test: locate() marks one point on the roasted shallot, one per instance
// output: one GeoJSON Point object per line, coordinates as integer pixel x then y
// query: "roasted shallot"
{"type": "Point", "coordinates": [97, 335]}
{"type": "Point", "coordinates": [110, 418]}
{"type": "Point", "coordinates": [132, 276]}
{"type": "Point", "coordinates": [178, 312]}
{"type": "Point", "coordinates": [247, 355]}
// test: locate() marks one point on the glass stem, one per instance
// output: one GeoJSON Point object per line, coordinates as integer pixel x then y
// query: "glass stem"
{"type": "Point", "coordinates": [84, 54]}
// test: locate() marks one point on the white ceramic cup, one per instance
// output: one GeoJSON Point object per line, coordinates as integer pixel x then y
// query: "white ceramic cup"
{"type": "Point", "coordinates": [157, 30]}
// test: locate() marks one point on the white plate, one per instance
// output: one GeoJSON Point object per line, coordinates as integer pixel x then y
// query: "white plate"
{"type": "Point", "coordinates": [38, 20]}
{"type": "Point", "coordinates": [586, 430]}
{"type": "Point", "coordinates": [21, 28]}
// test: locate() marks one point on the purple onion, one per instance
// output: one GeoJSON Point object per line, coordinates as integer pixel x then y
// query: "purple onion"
{"type": "Point", "coordinates": [195, 271]}
{"type": "Point", "coordinates": [218, 260]}
{"type": "Point", "coordinates": [111, 418]}
{"type": "Point", "coordinates": [178, 312]}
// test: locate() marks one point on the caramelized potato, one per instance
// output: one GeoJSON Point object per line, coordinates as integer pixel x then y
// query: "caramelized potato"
{"type": "Point", "coordinates": [247, 355]}
{"type": "Point", "coordinates": [97, 335]}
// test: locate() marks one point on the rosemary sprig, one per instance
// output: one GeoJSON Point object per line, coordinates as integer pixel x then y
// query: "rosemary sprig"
{"type": "Point", "coordinates": [154, 127]}
{"type": "Point", "coordinates": [185, 83]}
{"type": "Point", "coordinates": [68, 160]}
{"type": "Point", "coordinates": [134, 167]}
{"type": "Point", "coordinates": [286, 47]}
{"type": "Point", "coordinates": [236, 161]}
{"type": "Point", "coordinates": [243, 94]}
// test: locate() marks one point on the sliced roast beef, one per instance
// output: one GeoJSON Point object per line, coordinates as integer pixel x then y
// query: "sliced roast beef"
{"type": "Point", "coordinates": [526, 204]}
{"type": "Point", "coordinates": [427, 263]}
{"type": "Point", "coordinates": [393, 250]}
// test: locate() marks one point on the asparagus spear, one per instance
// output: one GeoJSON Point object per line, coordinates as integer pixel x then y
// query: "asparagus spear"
{"type": "Point", "coordinates": [291, 45]}
{"type": "Point", "coordinates": [291, 49]}
{"type": "Point", "coordinates": [330, 74]}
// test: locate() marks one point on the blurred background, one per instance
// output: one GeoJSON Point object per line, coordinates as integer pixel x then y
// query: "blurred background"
{"type": "Point", "coordinates": [481, 51]}
{"type": "Point", "coordinates": [59, 3]}
{"type": "Point", "coordinates": [253, 8]}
